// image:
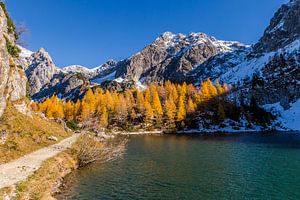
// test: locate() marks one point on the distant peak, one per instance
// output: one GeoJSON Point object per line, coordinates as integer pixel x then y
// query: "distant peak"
{"type": "Point", "coordinates": [199, 34]}
{"type": "Point", "coordinates": [111, 62]}
{"type": "Point", "coordinates": [167, 34]}
{"type": "Point", "coordinates": [42, 55]}
{"type": "Point", "coordinates": [42, 50]}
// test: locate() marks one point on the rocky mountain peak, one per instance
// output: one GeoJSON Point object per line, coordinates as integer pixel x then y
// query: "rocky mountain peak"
{"type": "Point", "coordinates": [171, 56]}
{"type": "Point", "coordinates": [177, 42]}
{"type": "Point", "coordinates": [42, 55]}
{"type": "Point", "coordinates": [283, 29]}
{"type": "Point", "coordinates": [166, 35]}
{"type": "Point", "coordinates": [40, 71]}
{"type": "Point", "coordinates": [110, 62]}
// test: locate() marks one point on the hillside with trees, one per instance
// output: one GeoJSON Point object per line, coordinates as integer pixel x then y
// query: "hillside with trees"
{"type": "Point", "coordinates": [168, 107]}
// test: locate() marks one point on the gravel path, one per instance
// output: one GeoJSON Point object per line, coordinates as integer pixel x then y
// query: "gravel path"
{"type": "Point", "coordinates": [20, 169]}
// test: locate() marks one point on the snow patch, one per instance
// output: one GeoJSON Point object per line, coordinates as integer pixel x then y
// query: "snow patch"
{"type": "Point", "coordinates": [139, 85]}
{"type": "Point", "coordinates": [290, 118]}
{"type": "Point", "coordinates": [108, 77]}
{"type": "Point", "coordinates": [248, 68]}
{"type": "Point", "coordinates": [119, 80]}
{"type": "Point", "coordinates": [76, 68]}
{"type": "Point", "coordinates": [228, 126]}
{"type": "Point", "coordinates": [25, 53]}
{"type": "Point", "coordinates": [172, 40]}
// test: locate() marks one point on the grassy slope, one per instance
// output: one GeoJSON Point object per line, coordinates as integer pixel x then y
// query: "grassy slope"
{"type": "Point", "coordinates": [48, 177]}
{"type": "Point", "coordinates": [42, 183]}
{"type": "Point", "coordinates": [26, 134]}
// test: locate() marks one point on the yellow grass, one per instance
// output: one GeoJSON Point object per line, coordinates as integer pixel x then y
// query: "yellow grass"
{"type": "Point", "coordinates": [46, 180]}
{"type": "Point", "coordinates": [26, 134]}
{"type": "Point", "coordinates": [42, 183]}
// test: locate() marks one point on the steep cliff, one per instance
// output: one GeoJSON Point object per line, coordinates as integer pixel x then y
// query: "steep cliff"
{"type": "Point", "coordinates": [271, 71]}
{"type": "Point", "coordinates": [13, 80]}
{"type": "Point", "coordinates": [40, 71]}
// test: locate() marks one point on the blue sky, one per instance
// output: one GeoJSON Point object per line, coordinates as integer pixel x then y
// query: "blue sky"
{"type": "Point", "coordinates": [89, 32]}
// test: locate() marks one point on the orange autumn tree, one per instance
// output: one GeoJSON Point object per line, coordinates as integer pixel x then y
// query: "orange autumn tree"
{"type": "Point", "coordinates": [166, 103]}
{"type": "Point", "coordinates": [69, 110]}
{"type": "Point", "coordinates": [155, 103]}
{"type": "Point", "coordinates": [88, 105]}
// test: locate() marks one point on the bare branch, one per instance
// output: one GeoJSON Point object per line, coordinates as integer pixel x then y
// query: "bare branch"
{"type": "Point", "coordinates": [21, 30]}
{"type": "Point", "coordinates": [91, 150]}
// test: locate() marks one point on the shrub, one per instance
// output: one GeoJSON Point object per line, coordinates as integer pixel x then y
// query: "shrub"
{"type": "Point", "coordinates": [73, 125]}
{"type": "Point", "coordinates": [28, 90]}
{"type": "Point", "coordinates": [80, 76]}
{"type": "Point", "coordinates": [12, 49]}
{"type": "Point", "coordinates": [90, 149]}
{"type": "Point", "coordinates": [11, 28]}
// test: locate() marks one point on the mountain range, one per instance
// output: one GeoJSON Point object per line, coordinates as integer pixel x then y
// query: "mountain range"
{"type": "Point", "coordinates": [269, 70]}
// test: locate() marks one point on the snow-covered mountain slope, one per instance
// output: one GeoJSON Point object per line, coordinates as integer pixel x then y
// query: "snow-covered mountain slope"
{"type": "Point", "coordinates": [218, 65]}
{"type": "Point", "coordinates": [179, 43]}
{"type": "Point", "coordinates": [287, 118]}
{"type": "Point", "coordinates": [105, 72]}
{"type": "Point", "coordinates": [108, 77]}
{"type": "Point", "coordinates": [172, 57]}
{"type": "Point", "coordinates": [25, 53]}
{"type": "Point", "coordinates": [249, 67]}
{"type": "Point", "coordinates": [78, 69]}
{"type": "Point", "coordinates": [271, 72]}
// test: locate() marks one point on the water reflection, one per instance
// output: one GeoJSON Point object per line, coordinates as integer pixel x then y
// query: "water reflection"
{"type": "Point", "coordinates": [249, 166]}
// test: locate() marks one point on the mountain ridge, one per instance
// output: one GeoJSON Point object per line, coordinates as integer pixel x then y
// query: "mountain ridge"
{"type": "Point", "coordinates": [168, 46]}
{"type": "Point", "coordinates": [272, 63]}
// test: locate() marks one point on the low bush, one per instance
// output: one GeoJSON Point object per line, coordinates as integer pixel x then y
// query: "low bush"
{"type": "Point", "coordinates": [12, 49]}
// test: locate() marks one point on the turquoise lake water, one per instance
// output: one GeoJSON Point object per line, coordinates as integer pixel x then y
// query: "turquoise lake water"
{"type": "Point", "coordinates": [246, 166]}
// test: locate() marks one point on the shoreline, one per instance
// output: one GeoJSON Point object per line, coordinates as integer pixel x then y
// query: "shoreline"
{"type": "Point", "coordinates": [46, 181]}
{"type": "Point", "coordinates": [202, 132]}
{"type": "Point", "coordinates": [23, 167]}
{"type": "Point", "coordinates": [66, 156]}
{"type": "Point", "coordinates": [156, 132]}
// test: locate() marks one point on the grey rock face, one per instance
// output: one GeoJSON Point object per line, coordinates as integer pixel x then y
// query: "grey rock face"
{"type": "Point", "coordinates": [46, 79]}
{"type": "Point", "coordinates": [67, 86]}
{"type": "Point", "coordinates": [4, 65]}
{"type": "Point", "coordinates": [217, 65]}
{"type": "Point", "coordinates": [271, 71]}
{"type": "Point", "coordinates": [16, 84]}
{"type": "Point", "coordinates": [104, 70]}
{"type": "Point", "coordinates": [278, 81]}
{"type": "Point", "coordinates": [40, 71]}
{"type": "Point", "coordinates": [12, 78]}
{"type": "Point", "coordinates": [171, 57]}
{"type": "Point", "coordinates": [283, 29]}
